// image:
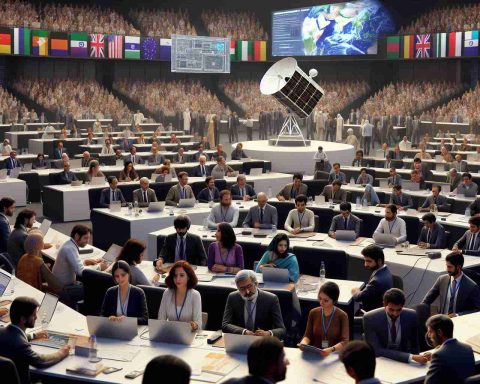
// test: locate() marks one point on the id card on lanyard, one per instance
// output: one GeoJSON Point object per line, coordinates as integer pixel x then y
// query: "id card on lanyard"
{"type": "Point", "coordinates": [326, 328]}
{"type": "Point", "coordinates": [300, 218]}
{"type": "Point", "coordinates": [179, 314]}
{"type": "Point", "coordinates": [224, 216]}
{"type": "Point", "coordinates": [390, 227]}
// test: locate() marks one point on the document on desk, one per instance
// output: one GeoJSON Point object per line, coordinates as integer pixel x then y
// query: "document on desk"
{"type": "Point", "coordinates": [218, 364]}
{"type": "Point", "coordinates": [125, 354]}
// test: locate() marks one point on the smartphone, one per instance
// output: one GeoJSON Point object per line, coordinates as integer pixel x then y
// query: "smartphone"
{"type": "Point", "coordinates": [109, 370]}
{"type": "Point", "coordinates": [134, 374]}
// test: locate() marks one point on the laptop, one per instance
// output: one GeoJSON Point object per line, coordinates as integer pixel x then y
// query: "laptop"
{"type": "Point", "coordinates": [275, 275]}
{"type": "Point", "coordinates": [112, 253]}
{"type": "Point", "coordinates": [75, 163]}
{"type": "Point", "coordinates": [238, 343]}
{"type": "Point", "coordinates": [161, 178]}
{"type": "Point", "coordinates": [54, 340]}
{"type": "Point", "coordinates": [15, 172]}
{"type": "Point", "coordinates": [3, 174]}
{"type": "Point", "coordinates": [115, 206]}
{"type": "Point", "coordinates": [172, 332]}
{"type": "Point", "coordinates": [27, 167]}
{"type": "Point", "coordinates": [383, 183]}
{"type": "Point", "coordinates": [121, 330]}
{"type": "Point", "coordinates": [186, 203]}
{"type": "Point", "coordinates": [384, 239]}
{"type": "Point", "coordinates": [344, 235]}
{"type": "Point", "coordinates": [410, 185]}
{"type": "Point", "coordinates": [46, 310]}
{"type": "Point", "coordinates": [440, 167]}
{"type": "Point", "coordinates": [119, 163]}
{"type": "Point", "coordinates": [97, 180]}
{"type": "Point", "coordinates": [320, 199]}
{"type": "Point", "coordinates": [4, 281]}
{"type": "Point", "coordinates": [445, 186]}
{"type": "Point", "coordinates": [45, 226]}
{"type": "Point", "coordinates": [156, 206]}
{"type": "Point", "coordinates": [256, 171]}
{"type": "Point", "coordinates": [76, 183]}
{"type": "Point", "coordinates": [473, 157]}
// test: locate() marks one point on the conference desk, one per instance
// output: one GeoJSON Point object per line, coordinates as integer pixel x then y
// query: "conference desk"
{"type": "Point", "coordinates": [15, 188]}
{"type": "Point", "coordinates": [20, 140]}
{"type": "Point", "coordinates": [47, 146]}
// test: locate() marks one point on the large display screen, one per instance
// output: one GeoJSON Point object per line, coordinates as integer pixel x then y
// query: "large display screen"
{"type": "Point", "coordinates": [350, 28]}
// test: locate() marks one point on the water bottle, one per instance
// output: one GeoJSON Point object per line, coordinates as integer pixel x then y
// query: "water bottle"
{"type": "Point", "coordinates": [269, 194]}
{"type": "Point", "coordinates": [274, 229]}
{"type": "Point", "coordinates": [130, 209]}
{"type": "Point", "coordinates": [364, 203]}
{"type": "Point", "coordinates": [352, 181]}
{"type": "Point", "coordinates": [357, 202]}
{"type": "Point", "coordinates": [135, 208]}
{"type": "Point", "coordinates": [205, 224]}
{"type": "Point", "coordinates": [92, 350]}
{"type": "Point", "coordinates": [322, 271]}
{"type": "Point", "coordinates": [468, 213]}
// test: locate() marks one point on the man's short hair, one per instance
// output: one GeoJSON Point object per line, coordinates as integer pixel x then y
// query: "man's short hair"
{"type": "Point", "coordinates": [455, 259]}
{"type": "Point", "coordinates": [373, 252]}
{"type": "Point", "coordinates": [397, 187]}
{"type": "Point", "coordinates": [346, 206]}
{"type": "Point", "coordinates": [301, 199]}
{"type": "Point", "coordinates": [111, 178]}
{"type": "Point", "coordinates": [360, 357]}
{"type": "Point", "coordinates": [394, 296]}
{"type": "Point", "coordinates": [208, 178]}
{"type": "Point", "coordinates": [80, 230]}
{"type": "Point", "coordinates": [181, 222]}
{"type": "Point", "coordinates": [245, 274]}
{"type": "Point", "coordinates": [334, 164]}
{"type": "Point", "coordinates": [417, 160]}
{"type": "Point", "coordinates": [6, 202]}
{"type": "Point", "coordinates": [224, 192]}
{"type": "Point", "coordinates": [475, 220]}
{"type": "Point", "coordinates": [363, 169]}
{"type": "Point", "coordinates": [241, 177]}
{"type": "Point", "coordinates": [392, 208]}
{"type": "Point", "coordinates": [443, 323]}
{"type": "Point", "coordinates": [430, 217]}
{"type": "Point", "coordinates": [393, 169]}
{"type": "Point", "coordinates": [264, 354]}
{"type": "Point", "coordinates": [22, 307]}
{"type": "Point", "coordinates": [297, 175]}
{"type": "Point", "coordinates": [145, 180]}
{"type": "Point", "coordinates": [181, 174]}
{"type": "Point", "coordinates": [466, 174]}
{"type": "Point", "coordinates": [337, 182]}
{"type": "Point", "coordinates": [437, 186]}
{"type": "Point", "coordinates": [170, 368]}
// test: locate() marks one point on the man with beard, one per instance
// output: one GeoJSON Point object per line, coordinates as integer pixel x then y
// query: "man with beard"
{"type": "Point", "coordinates": [252, 311]}
{"type": "Point", "coordinates": [225, 212]}
{"type": "Point", "coordinates": [371, 296]}
{"type": "Point", "coordinates": [181, 245]}
{"type": "Point", "coordinates": [15, 343]}
{"type": "Point", "coordinates": [392, 331]}
{"type": "Point", "coordinates": [452, 361]}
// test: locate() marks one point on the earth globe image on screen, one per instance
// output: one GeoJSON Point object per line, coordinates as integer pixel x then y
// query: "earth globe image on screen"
{"type": "Point", "coordinates": [345, 29]}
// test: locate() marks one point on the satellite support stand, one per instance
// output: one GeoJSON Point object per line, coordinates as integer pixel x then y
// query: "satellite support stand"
{"type": "Point", "coordinates": [291, 128]}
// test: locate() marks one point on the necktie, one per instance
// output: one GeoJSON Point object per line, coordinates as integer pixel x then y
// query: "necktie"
{"type": "Point", "coordinates": [346, 221]}
{"type": "Point", "coordinates": [249, 324]}
{"type": "Point", "coordinates": [472, 242]}
{"type": "Point", "coordinates": [183, 193]}
{"type": "Point", "coordinates": [113, 196]}
{"type": "Point", "coordinates": [133, 159]}
{"type": "Point", "coordinates": [145, 197]}
{"type": "Point", "coordinates": [428, 236]}
{"type": "Point", "coordinates": [203, 170]}
{"type": "Point", "coordinates": [181, 250]}
{"type": "Point", "coordinates": [453, 290]}
{"type": "Point", "coordinates": [393, 333]}
{"type": "Point", "coordinates": [261, 215]}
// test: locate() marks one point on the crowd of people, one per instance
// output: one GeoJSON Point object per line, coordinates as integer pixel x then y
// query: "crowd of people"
{"type": "Point", "coordinates": [163, 22]}
{"type": "Point", "coordinates": [461, 17]}
{"type": "Point", "coordinates": [240, 25]}
{"type": "Point", "coordinates": [19, 13]}
{"type": "Point", "coordinates": [80, 98]}
{"type": "Point", "coordinates": [11, 109]}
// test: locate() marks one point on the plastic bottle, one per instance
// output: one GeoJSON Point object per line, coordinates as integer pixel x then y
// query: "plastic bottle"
{"type": "Point", "coordinates": [92, 350]}
{"type": "Point", "coordinates": [357, 202]}
{"type": "Point", "coordinates": [205, 224]}
{"type": "Point", "coordinates": [135, 208]}
{"type": "Point", "coordinates": [352, 181]}
{"type": "Point", "coordinates": [269, 194]}
{"type": "Point", "coordinates": [364, 203]}
{"type": "Point", "coordinates": [130, 209]}
{"type": "Point", "coordinates": [274, 229]}
{"type": "Point", "coordinates": [468, 213]}
{"type": "Point", "coordinates": [322, 271]}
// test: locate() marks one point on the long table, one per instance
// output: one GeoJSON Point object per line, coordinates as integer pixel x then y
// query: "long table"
{"type": "Point", "coordinates": [15, 188]}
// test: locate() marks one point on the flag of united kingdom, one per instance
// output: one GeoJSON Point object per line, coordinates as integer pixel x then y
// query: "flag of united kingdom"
{"type": "Point", "coordinates": [97, 45]}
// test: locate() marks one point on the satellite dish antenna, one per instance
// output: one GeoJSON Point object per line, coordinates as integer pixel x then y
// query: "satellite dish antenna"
{"type": "Point", "coordinates": [295, 90]}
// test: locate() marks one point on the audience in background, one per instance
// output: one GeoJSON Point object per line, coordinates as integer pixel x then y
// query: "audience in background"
{"type": "Point", "coordinates": [238, 25]}
{"type": "Point", "coordinates": [163, 22]}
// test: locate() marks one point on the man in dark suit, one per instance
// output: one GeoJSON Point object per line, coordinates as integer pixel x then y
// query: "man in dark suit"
{"type": "Point", "coordinates": [336, 174]}
{"type": "Point", "coordinates": [242, 190]}
{"type": "Point", "coordinates": [399, 199]}
{"type": "Point", "coordinates": [475, 207]}
{"type": "Point", "coordinates": [371, 295]}
{"type": "Point", "coordinates": [345, 221]}
{"type": "Point", "coordinates": [432, 234]}
{"type": "Point", "coordinates": [155, 158]}
{"type": "Point", "coordinates": [452, 361]}
{"type": "Point", "coordinates": [67, 176]}
{"type": "Point", "coordinates": [144, 195]}
{"type": "Point", "coordinates": [111, 194]}
{"type": "Point", "coordinates": [454, 178]}
{"type": "Point", "coordinates": [457, 293]}
{"type": "Point", "coordinates": [179, 157]}
{"type": "Point", "coordinates": [15, 343]}
{"type": "Point", "coordinates": [394, 179]}
{"type": "Point", "coordinates": [469, 243]}
{"type": "Point", "coordinates": [133, 157]}
{"type": "Point", "coordinates": [292, 190]}
{"type": "Point", "coordinates": [59, 151]}
{"type": "Point", "coordinates": [359, 161]}
{"type": "Point", "coordinates": [251, 311]}
{"type": "Point", "coordinates": [201, 170]}
{"type": "Point", "coordinates": [219, 152]}
{"type": "Point", "coordinates": [11, 162]}
{"type": "Point", "coordinates": [210, 192]}
{"type": "Point", "coordinates": [334, 192]}
{"type": "Point", "coordinates": [7, 207]}
{"type": "Point", "coordinates": [262, 216]}
{"type": "Point", "coordinates": [238, 153]}
{"type": "Point", "coordinates": [435, 199]}
{"type": "Point", "coordinates": [233, 124]}
{"type": "Point", "coordinates": [392, 331]}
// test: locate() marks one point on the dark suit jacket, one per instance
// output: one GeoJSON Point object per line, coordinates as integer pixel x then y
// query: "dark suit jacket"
{"type": "Point", "coordinates": [238, 155]}
{"type": "Point", "coordinates": [12, 163]}
{"type": "Point", "coordinates": [236, 192]}
{"type": "Point", "coordinates": [194, 250]}
{"type": "Point", "coordinates": [359, 163]}
{"type": "Point", "coordinates": [14, 346]}
{"type": "Point", "coordinates": [371, 295]}
{"type": "Point", "coordinates": [57, 154]}
{"type": "Point", "coordinates": [65, 177]}
{"type": "Point", "coordinates": [198, 173]}
{"type": "Point", "coordinates": [353, 224]}
{"type": "Point", "coordinates": [468, 295]}
{"type": "Point", "coordinates": [464, 242]}
{"type": "Point", "coordinates": [4, 233]}
{"type": "Point", "coordinates": [453, 362]}
{"type": "Point", "coordinates": [137, 304]}
{"type": "Point", "coordinates": [339, 196]}
{"type": "Point", "coordinates": [404, 200]}
{"type": "Point", "coordinates": [248, 380]}
{"type": "Point", "coordinates": [437, 236]}
{"type": "Point", "coordinates": [138, 159]}
{"type": "Point", "coordinates": [475, 207]}
{"type": "Point", "coordinates": [176, 159]}
{"type": "Point", "coordinates": [376, 327]}
{"type": "Point", "coordinates": [268, 314]}
{"type": "Point", "coordinates": [204, 195]}
{"type": "Point", "coordinates": [105, 197]}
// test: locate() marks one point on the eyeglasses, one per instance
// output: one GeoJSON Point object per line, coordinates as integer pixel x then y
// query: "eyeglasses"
{"type": "Point", "coordinates": [246, 287]}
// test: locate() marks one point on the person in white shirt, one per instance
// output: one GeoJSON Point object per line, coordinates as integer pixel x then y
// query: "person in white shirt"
{"type": "Point", "coordinates": [5, 148]}
{"type": "Point", "coordinates": [107, 148]}
{"type": "Point", "coordinates": [138, 118]}
{"type": "Point", "coordinates": [320, 158]}
{"type": "Point", "coordinates": [393, 225]}
{"type": "Point", "coordinates": [48, 132]}
{"type": "Point", "coordinates": [367, 130]}
{"type": "Point", "coordinates": [300, 219]}
{"type": "Point", "coordinates": [405, 144]}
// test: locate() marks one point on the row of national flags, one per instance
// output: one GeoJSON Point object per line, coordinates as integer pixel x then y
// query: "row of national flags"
{"type": "Point", "coordinates": [433, 45]}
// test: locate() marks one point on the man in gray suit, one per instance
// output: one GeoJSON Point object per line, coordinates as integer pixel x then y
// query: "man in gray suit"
{"type": "Point", "coordinates": [435, 199]}
{"type": "Point", "coordinates": [345, 221]}
{"type": "Point", "coordinates": [155, 158]}
{"type": "Point", "coordinates": [144, 195]}
{"type": "Point", "coordinates": [336, 174]}
{"type": "Point", "coordinates": [251, 311]}
{"type": "Point", "coordinates": [15, 245]}
{"type": "Point", "coordinates": [454, 178]}
{"type": "Point", "coordinates": [262, 216]}
{"type": "Point", "coordinates": [224, 212]}
{"type": "Point", "coordinates": [334, 192]}
{"type": "Point", "coordinates": [469, 243]}
{"type": "Point", "coordinates": [292, 190]}
{"type": "Point", "coordinates": [432, 234]}
{"type": "Point", "coordinates": [399, 199]}
{"type": "Point", "coordinates": [392, 331]}
{"type": "Point", "coordinates": [180, 157]}
{"type": "Point", "coordinates": [457, 293]}
{"type": "Point", "coordinates": [467, 187]}
{"type": "Point", "coordinates": [133, 157]}
{"type": "Point", "coordinates": [452, 361]}
{"type": "Point", "coordinates": [15, 343]}
{"type": "Point", "coordinates": [180, 191]}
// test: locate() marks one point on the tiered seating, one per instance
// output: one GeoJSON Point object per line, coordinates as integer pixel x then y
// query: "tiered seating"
{"type": "Point", "coordinates": [163, 22]}
{"type": "Point", "coordinates": [236, 25]}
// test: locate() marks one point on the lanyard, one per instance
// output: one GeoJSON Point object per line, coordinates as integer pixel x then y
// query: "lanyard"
{"type": "Point", "coordinates": [181, 309]}
{"type": "Point", "coordinates": [224, 216]}
{"type": "Point", "coordinates": [211, 194]}
{"type": "Point", "coordinates": [300, 218]}
{"type": "Point", "coordinates": [325, 329]}
{"type": "Point", "coordinates": [390, 227]}
{"type": "Point", "coordinates": [124, 305]}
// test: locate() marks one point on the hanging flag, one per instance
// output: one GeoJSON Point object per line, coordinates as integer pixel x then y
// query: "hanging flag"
{"type": "Point", "coordinates": [263, 51]}
{"type": "Point", "coordinates": [423, 46]}
{"type": "Point", "coordinates": [150, 49]}
{"type": "Point", "coordinates": [232, 50]}
{"type": "Point", "coordinates": [408, 46]}
{"type": "Point", "coordinates": [165, 49]}
{"type": "Point", "coordinates": [21, 41]}
{"type": "Point", "coordinates": [79, 44]}
{"type": "Point", "coordinates": [39, 42]}
{"type": "Point", "coordinates": [115, 47]}
{"type": "Point", "coordinates": [132, 47]}
{"type": "Point", "coordinates": [58, 44]}
{"type": "Point", "coordinates": [244, 50]}
{"type": "Point", "coordinates": [393, 47]}
{"type": "Point", "coordinates": [97, 45]}
{"type": "Point", "coordinates": [455, 44]}
{"type": "Point", "coordinates": [259, 50]}
{"type": "Point", "coordinates": [5, 41]}
{"type": "Point", "coordinates": [470, 45]}
{"type": "Point", "coordinates": [440, 45]}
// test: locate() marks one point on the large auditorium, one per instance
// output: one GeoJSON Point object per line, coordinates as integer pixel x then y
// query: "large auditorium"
{"type": "Point", "coordinates": [253, 192]}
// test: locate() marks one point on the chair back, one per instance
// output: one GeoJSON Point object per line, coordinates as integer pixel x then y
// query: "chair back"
{"type": "Point", "coordinates": [397, 282]}
{"type": "Point", "coordinates": [154, 298]}
{"type": "Point", "coordinates": [6, 263]}
{"type": "Point", "coordinates": [8, 371]}
{"type": "Point", "coordinates": [310, 260]}
{"type": "Point", "coordinates": [214, 300]}
{"type": "Point", "coordinates": [95, 285]}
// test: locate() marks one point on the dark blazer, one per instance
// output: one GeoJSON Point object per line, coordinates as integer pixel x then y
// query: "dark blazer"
{"type": "Point", "coordinates": [453, 362]}
{"type": "Point", "coordinates": [12, 163]}
{"type": "Point", "coordinates": [57, 153]}
{"type": "Point", "coordinates": [270, 217]}
{"type": "Point", "coordinates": [475, 206]}
{"type": "Point", "coordinates": [339, 197]}
{"type": "Point", "coordinates": [404, 200]}
{"type": "Point", "coordinates": [236, 192]}
{"type": "Point", "coordinates": [105, 197]}
{"type": "Point", "coordinates": [177, 160]}
{"type": "Point", "coordinates": [4, 232]}
{"type": "Point", "coordinates": [268, 314]}
{"type": "Point", "coordinates": [440, 201]}
{"type": "Point", "coordinates": [204, 195]}
{"type": "Point", "coordinates": [14, 346]}
{"type": "Point", "coordinates": [138, 159]}
{"type": "Point", "coordinates": [65, 177]}
{"type": "Point", "coordinates": [340, 177]}
{"type": "Point", "coordinates": [216, 154]}
{"type": "Point", "coordinates": [359, 163]}
{"type": "Point", "coordinates": [375, 325]}
{"type": "Point", "coordinates": [194, 250]}
{"type": "Point", "coordinates": [464, 242]}
{"type": "Point", "coordinates": [371, 295]}
{"type": "Point", "coordinates": [238, 155]}
{"type": "Point", "coordinates": [250, 379]}
{"type": "Point", "coordinates": [468, 295]}
{"type": "Point", "coordinates": [437, 236]}
{"type": "Point", "coordinates": [198, 173]}
{"type": "Point", "coordinates": [137, 304]}
{"type": "Point", "coordinates": [353, 224]}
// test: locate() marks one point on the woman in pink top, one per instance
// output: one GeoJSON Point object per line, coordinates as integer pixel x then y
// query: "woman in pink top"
{"type": "Point", "coordinates": [225, 255]}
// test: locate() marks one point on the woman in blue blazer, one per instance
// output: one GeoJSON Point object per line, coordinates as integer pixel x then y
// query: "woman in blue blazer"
{"type": "Point", "coordinates": [124, 300]}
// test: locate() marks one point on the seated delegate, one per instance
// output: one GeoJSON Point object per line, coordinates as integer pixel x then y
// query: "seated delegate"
{"type": "Point", "coordinates": [292, 190]}
{"type": "Point", "coordinates": [224, 212]}
{"type": "Point", "coordinates": [262, 216]}
{"type": "Point", "coordinates": [300, 219]}
{"type": "Point", "coordinates": [132, 254]}
{"type": "Point", "coordinates": [144, 195]}
{"type": "Point", "coordinates": [128, 173]}
{"type": "Point", "coordinates": [180, 191]}
{"type": "Point", "coordinates": [225, 255]}
{"type": "Point", "coordinates": [345, 221]}
{"type": "Point", "coordinates": [210, 192]}
{"type": "Point", "coordinates": [112, 194]}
